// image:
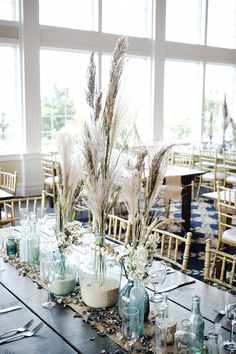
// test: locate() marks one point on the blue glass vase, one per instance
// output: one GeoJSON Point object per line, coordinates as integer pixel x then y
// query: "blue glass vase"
{"type": "Point", "coordinates": [138, 293]}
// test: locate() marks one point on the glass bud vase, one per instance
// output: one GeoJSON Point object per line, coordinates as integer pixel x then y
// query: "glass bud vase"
{"type": "Point", "coordinates": [99, 277]}
{"type": "Point", "coordinates": [65, 277]}
{"type": "Point", "coordinates": [124, 298]}
{"type": "Point", "coordinates": [197, 323]}
{"type": "Point", "coordinates": [137, 295]}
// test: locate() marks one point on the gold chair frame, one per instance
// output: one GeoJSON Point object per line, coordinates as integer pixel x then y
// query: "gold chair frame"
{"type": "Point", "coordinates": [49, 167]}
{"type": "Point", "coordinates": [8, 207]}
{"type": "Point", "coordinates": [208, 162]}
{"type": "Point", "coordinates": [217, 264]}
{"type": "Point", "coordinates": [119, 230]}
{"type": "Point", "coordinates": [8, 182]}
{"type": "Point", "coordinates": [226, 205]}
{"type": "Point", "coordinates": [169, 248]}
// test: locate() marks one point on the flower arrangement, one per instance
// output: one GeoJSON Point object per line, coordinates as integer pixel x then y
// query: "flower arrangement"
{"type": "Point", "coordinates": [226, 118]}
{"type": "Point", "coordinates": [71, 235]}
{"type": "Point", "coordinates": [136, 260]}
{"type": "Point", "coordinates": [69, 186]}
{"type": "Point", "coordinates": [140, 193]}
{"type": "Point", "coordinates": [210, 127]}
{"type": "Point", "coordinates": [233, 126]}
{"type": "Point", "coordinates": [101, 155]}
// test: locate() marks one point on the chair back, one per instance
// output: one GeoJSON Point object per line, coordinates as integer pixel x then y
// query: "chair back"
{"type": "Point", "coordinates": [213, 171]}
{"type": "Point", "coordinates": [229, 168]}
{"type": "Point", "coordinates": [49, 166]}
{"type": "Point", "coordinates": [119, 230]}
{"type": "Point", "coordinates": [170, 246]}
{"type": "Point", "coordinates": [226, 205]}
{"type": "Point", "coordinates": [208, 160]}
{"type": "Point", "coordinates": [219, 267]}
{"type": "Point", "coordinates": [8, 182]}
{"type": "Point", "coordinates": [10, 208]}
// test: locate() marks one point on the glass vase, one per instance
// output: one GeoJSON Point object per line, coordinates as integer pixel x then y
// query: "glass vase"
{"type": "Point", "coordinates": [65, 278]}
{"type": "Point", "coordinates": [139, 293]}
{"type": "Point", "coordinates": [99, 277]}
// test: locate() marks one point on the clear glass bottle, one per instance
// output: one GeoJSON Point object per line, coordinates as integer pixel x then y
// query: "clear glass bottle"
{"type": "Point", "coordinates": [185, 339]}
{"type": "Point", "coordinates": [23, 247]}
{"type": "Point", "coordinates": [33, 243]}
{"type": "Point", "coordinates": [161, 329]}
{"type": "Point", "coordinates": [215, 344]}
{"type": "Point", "coordinates": [197, 322]}
{"type": "Point", "coordinates": [220, 338]}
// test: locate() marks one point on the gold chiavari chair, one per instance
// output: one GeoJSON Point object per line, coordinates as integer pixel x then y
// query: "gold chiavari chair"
{"type": "Point", "coordinates": [9, 209]}
{"type": "Point", "coordinates": [49, 166]}
{"type": "Point", "coordinates": [208, 162]}
{"type": "Point", "coordinates": [226, 205]}
{"type": "Point", "coordinates": [219, 267]}
{"type": "Point", "coordinates": [119, 230]}
{"type": "Point", "coordinates": [229, 169]}
{"type": "Point", "coordinates": [8, 182]}
{"type": "Point", "coordinates": [170, 245]}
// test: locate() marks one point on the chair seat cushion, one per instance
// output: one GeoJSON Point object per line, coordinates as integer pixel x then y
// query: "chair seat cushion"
{"type": "Point", "coordinates": [231, 178]}
{"type": "Point", "coordinates": [229, 235]}
{"type": "Point", "coordinates": [49, 180]}
{"type": "Point", "coordinates": [210, 176]}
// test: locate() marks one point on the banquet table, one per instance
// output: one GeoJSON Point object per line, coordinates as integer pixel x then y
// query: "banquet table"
{"type": "Point", "coordinates": [187, 176]}
{"type": "Point", "coordinates": [65, 333]}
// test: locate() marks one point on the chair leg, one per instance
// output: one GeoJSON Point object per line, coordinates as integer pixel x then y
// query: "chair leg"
{"type": "Point", "coordinates": [199, 188]}
{"type": "Point", "coordinates": [167, 207]}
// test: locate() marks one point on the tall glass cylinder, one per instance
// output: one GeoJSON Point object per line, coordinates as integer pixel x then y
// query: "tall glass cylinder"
{"type": "Point", "coordinates": [65, 278]}
{"type": "Point", "coordinates": [33, 243]}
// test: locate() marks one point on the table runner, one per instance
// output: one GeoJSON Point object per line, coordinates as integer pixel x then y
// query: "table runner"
{"type": "Point", "coordinates": [106, 321]}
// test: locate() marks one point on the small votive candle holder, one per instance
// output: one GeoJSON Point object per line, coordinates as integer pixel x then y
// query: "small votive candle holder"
{"type": "Point", "coordinates": [171, 329]}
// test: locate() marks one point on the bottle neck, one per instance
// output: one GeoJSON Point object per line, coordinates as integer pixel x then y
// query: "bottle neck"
{"type": "Point", "coordinates": [137, 282]}
{"type": "Point", "coordinates": [196, 304]}
{"type": "Point", "coordinates": [186, 325]}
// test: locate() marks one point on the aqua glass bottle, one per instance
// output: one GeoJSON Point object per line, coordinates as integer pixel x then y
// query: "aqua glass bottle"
{"type": "Point", "coordinates": [185, 339]}
{"type": "Point", "coordinates": [33, 244]}
{"type": "Point", "coordinates": [137, 295]}
{"type": "Point", "coordinates": [197, 322]}
{"type": "Point", "coordinates": [124, 297]}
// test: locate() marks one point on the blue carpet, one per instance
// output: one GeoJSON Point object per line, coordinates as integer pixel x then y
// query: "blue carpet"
{"type": "Point", "coordinates": [204, 225]}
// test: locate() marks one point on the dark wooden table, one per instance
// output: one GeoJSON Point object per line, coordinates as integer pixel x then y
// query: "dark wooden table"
{"type": "Point", "coordinates": [187, 176]}
{"type": "Point", "coordinates": [63, 333]}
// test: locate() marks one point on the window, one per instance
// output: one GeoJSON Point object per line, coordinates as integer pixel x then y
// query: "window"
{"type": "Point", "coordinates": [136, 94]}
{"type": "Point", "coordinates": [185, 21]}
{"type": "Point", "coordinates": [222, 23]}
{"type": "Point", "coordinates": [220, 81]}
{"type": "Point", "coordinates": [127, 17]}
{"type": "Point", "coordinates": [182, 100]}
{"type": "Point", "coordinates": [63, 83]}
{"type": "Point", "coordinates": [78, 14]}
{"type": "Point", "coordinates": [9, 104]}
{"type": "Point", "coordinates": [9, 10]}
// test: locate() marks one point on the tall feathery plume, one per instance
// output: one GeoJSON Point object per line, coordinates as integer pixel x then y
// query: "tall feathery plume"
{"type": "Point", "coordinates": [233, 126]}
{"type": "Point", "coordinates": [71, 177]}
{"type": "Point", "coordinates": [225, 117]}
{"type": "Point", "coordinates": [117, 65]}
{"type": "Point", "coordinates": [156, 175]}
{"type": "Point", "coordinates": [100, 136]}
{"type": "Point", "coordinates": [210, 126]}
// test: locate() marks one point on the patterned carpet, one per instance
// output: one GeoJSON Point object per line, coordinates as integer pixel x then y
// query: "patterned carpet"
{"type": "Point", "coordinates": [203, 226]}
